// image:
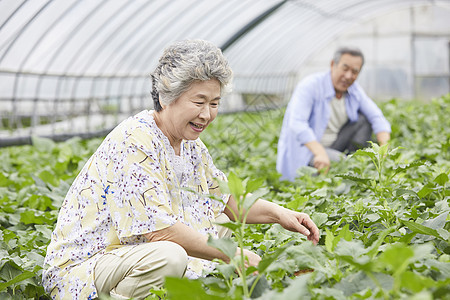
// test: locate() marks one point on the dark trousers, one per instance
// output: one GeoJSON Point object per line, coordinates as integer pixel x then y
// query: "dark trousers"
{"type": "Point", "coordinates": [353, 136]}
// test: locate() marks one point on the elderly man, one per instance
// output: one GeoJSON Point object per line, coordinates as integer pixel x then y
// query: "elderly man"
{"type": "Point", "coordinates": [329, 115]}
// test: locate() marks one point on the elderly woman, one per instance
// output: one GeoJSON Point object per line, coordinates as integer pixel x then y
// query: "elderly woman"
{"type": "Point", "coordinates": [130, 218]}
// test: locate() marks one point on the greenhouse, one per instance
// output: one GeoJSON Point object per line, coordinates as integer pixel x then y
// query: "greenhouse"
{"type": "Point", "coordinates": [71, 71]}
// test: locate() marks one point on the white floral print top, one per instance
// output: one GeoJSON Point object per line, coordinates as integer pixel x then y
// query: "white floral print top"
{"type": "Point", "coordinates": [129, 187]}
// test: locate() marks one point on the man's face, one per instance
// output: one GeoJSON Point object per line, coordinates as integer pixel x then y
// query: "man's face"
{"type": "Point", "coordinates": [344, 73]}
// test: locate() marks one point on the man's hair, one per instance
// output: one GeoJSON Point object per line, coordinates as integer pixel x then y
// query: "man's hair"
{"type": "Point", "coordinates": [185, 62]}
{"type": "Point", "coordinates": [353, 51]}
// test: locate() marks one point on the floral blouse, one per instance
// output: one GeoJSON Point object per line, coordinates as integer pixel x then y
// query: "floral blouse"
{"type": "Point", "coordinates": [130, 187]}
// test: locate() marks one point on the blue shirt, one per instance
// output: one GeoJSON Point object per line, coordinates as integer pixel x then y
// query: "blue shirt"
{"type": "Point", "coordinates": [307, 116]}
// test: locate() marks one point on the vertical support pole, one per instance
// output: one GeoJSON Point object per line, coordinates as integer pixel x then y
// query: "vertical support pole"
{"type": "Point", "coordinates": [413, 54]}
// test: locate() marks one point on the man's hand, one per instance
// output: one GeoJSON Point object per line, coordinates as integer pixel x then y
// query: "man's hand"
{"type": "Point", "coordinates": [299, 222]}
{"type": "Point", "coordinates": [321, 161]}
{"type": "Point", "coordinates": [383, 137]}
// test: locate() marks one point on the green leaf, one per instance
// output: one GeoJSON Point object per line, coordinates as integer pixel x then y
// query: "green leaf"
{"type": "Point", "coordinates": [269, 259]}
{"type": "Point", "coordinates": [254, 184]}
{"type": "Point", "coordinates": [359, 206]}
{"type": "Point", "coordinates": [33, 217]}
{"type": "Point", "coordinates": [306, 255]}
{"type": "Point", "coordinates": [444, 234]}
{"type": "Point", "coordinates": [235, 185]}
{"type": "Point", "coordinates": [366, 152]}
{"type": "Point", "coordinates": [226, 245]}
{"type": "Point", "coordinates": [250, 199]}
{"type": "Point", "coordinates": [297, 202]}
{"type": "Point", "coordinates": [39, 202]}
{"type": "Point", "coordinates": [319, 218]}
{"type": "Point", "coordinates": [441, 179]}
{"type": "Point", "coordinates": [425, 190]}
{"type": "Point", "coordinates": [329, 293]}
{"type": "Point", "coordinates": [230, 225]}
{"type": "Point", "coordinates": [358, 282]}
{"type": "Point", "coordinates": [354, 178]}
{"type": "Point", "coordinates": [404, 167]}
{"type": "Point", "coordinates": [223, 186]}
{"type": "Point", "coordinates": [261, 287]}
{"type": "Point", "coordinates": [48, 177]}
{"type": "Point", "coordinates": [43, 144]}
{"type": "Point", "coordinates": [354, 253]}
{"type": "Point", "coordinates": [227, 270]}
{"type": "Point", "coordinates": [419, 228]}
{"type": "Point", "coordinates": [183, 288]}
{"type": "Point", "coordinates": [329, 245]}
{"type": "Point", "coordinates": [322, 192]}
{"type": "Point", "coordinates": [3, 180]}
{"type": "Point", "coordinates": [375, 247]}
{"type": "Point", "coordinates": [396, 257]}
{"type": "Point", "coordinates": [25, 275]}
{"type": "Point", "coordinates": [438, 222]}
{"type": "Point", "coordinates": [383, 150]}
{"type": "Point", "coordinates": [345, 233]}
{"type": "Point", "coordinates": [415, 282]}
{"type": "Point", "coordinates": [400, 192]}
{"type": "Point", "coordinates": [439, 266]}
{"type": "Point", "coordinates": [331, 241]}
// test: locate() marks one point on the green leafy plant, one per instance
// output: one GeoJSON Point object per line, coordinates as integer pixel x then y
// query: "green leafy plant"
{"type": "Point", "coordinates": [383, 213]}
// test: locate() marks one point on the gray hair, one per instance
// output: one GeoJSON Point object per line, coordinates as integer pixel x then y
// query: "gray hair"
{"type": "Point", "coordinates": [185, 62]}
{"type": "Point", "coordinates": [353, 51]}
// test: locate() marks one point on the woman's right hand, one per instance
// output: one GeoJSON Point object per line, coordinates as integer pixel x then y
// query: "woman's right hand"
{"type": "Point", "coordinates": [251, 259]}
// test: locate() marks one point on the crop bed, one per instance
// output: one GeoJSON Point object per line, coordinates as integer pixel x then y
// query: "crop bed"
{"type": "Point", "coordinates": [383, 212]}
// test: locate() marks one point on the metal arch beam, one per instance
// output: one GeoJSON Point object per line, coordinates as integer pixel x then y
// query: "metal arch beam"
{"type": "Point", "coordinates": [235, 8]}
{"type": "Point", "coordinates": [44, 34]}
{"type": "Point", "coordinates": [64, 44]}
{"type": "Point", "coordinates": [147, 59]}
{"type": "Point", "coordinates": [253, 23]}
{"type": "Point", "coordinates": [111, 36]}
{"type": "Point", "coordinates": [12, 15]}
{"type": "Point", "coordinates": [375, 9]}
{"type": "Point", "coordinates": [150, 57]}
{"type": "Point", "coordinates": [93, 35]}
{"type": "Point", "coordinates": [156, 45]}
{"type": "Point", "coordinates": [30, 52]}
{"type": "Point", "coordinates": [13, 118]}
{"type": "Point", "coordinates": [122, 78]}
{"type": "Point", "coordinates": [126, 41]}
{"type": "Point", "coordinates": [70, 35]}
{"type": "Point", "coordinates": [24, 27]}
{"type": "Point", "coordinates": [140, 54]}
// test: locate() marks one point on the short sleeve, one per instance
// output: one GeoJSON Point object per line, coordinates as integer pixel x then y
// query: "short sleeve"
{"type": "Point", "coordinates": [140, 198]}
{"type": "Point", "coordinates": [213, 176]}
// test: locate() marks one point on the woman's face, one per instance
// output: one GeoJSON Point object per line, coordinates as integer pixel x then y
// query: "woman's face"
{"type": "Point", "coordinates": [192, 112]}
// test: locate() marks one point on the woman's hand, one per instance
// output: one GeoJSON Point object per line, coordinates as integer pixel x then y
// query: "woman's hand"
{"type": "Point", "coordinates": [299, 222]}
{"type": "Point", "coordinates": [263, 212]}
{"type": "Point", "coordinates": [251, 259]}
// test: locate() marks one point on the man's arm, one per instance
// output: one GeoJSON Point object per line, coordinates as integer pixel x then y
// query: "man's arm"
{"type": "Point", "coordinates": [374, 115]}
{"type": "Point", "coordinates": [321, 159]}
{"type": "Point", "coordinates": [263, 212]}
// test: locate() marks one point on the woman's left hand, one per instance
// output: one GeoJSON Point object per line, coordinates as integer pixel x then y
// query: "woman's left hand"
{"type": "Point", "coordinates": [299, 222]}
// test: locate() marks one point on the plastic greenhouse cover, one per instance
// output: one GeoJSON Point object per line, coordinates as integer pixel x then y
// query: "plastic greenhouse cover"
{"type": "Point", "coordinates": [125, 37]}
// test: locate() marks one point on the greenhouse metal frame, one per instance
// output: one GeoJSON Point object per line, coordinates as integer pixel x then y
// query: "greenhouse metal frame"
{"type": "Point", "coordinates": [77, 68]}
